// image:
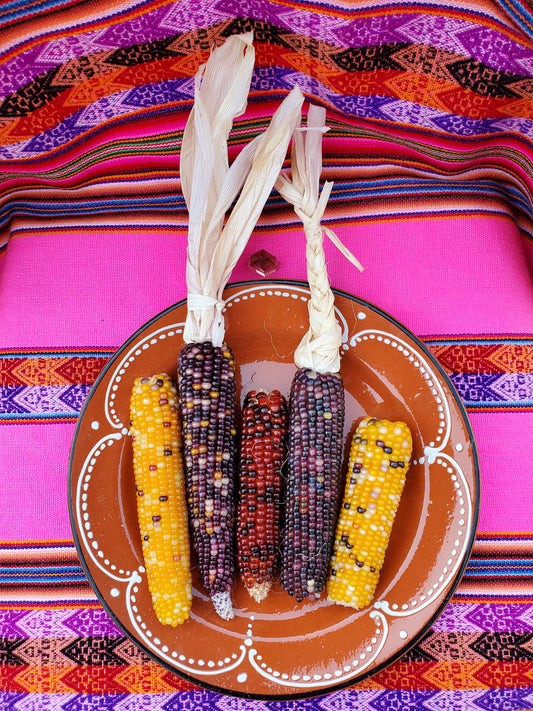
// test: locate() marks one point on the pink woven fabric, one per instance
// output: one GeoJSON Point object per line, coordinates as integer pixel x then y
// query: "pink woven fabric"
{"type": "Point", "coordinates": [463, 276]}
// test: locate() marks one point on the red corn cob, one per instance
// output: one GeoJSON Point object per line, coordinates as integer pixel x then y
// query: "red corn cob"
{"type": "Point", "coordinates": [263, 450]}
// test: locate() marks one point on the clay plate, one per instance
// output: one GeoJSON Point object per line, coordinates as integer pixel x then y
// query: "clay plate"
{"type": "Point", "coordinates": [280, 648]}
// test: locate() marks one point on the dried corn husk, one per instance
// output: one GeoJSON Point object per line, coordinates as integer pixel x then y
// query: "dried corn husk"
{"type": "Point", "coordinates": [210, 185]}
{"type": "Point", "coordinates": [320, 347]}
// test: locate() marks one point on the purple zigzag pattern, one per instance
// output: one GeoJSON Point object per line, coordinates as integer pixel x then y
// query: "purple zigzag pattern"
{"type": "Point", "coordinates": [95, 622]}
{"type": "Point", "coordinates": [42, 400]}
{"type": "Point", "coordinates": [516, 618]}
{"type": "Point", "coordinates": [486, 617]}
{"type": "Point", "coordinates": [507, 389]}
{"type": "Point", "coordinates": [205, 700]}
{"type": "Point", "coordinates": [472, 39]}
{"type": "Point", "coordinates": [380, 108]}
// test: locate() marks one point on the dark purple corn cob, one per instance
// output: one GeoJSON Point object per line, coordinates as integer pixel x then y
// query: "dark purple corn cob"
{"type": "Point", "coordinates": [206, 379]}
{"type": "Point", "coordinates": [314, 484]}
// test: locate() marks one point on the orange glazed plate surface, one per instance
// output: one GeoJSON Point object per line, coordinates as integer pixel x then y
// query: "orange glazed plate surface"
{"type": "Point", "coordinates": [280, 648]}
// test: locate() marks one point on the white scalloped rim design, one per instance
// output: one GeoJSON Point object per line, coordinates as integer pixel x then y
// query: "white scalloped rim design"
{"type": "Point", "coordinates": [126, 582]}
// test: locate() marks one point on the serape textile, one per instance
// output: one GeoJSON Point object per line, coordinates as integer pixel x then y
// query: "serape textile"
{"type": "Point", "coordinates": [430, 147]}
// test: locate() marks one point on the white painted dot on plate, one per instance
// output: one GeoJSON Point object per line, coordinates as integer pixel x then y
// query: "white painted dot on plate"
{"type": "Point", "coordinates": [403, 634]}
{"type": "Point", "coordinates": [248, 642]}
{"type": "Point", "coordinates": [95, 425]}
{"type": "Point", "coordinates": [459, 447]}
{"type": "Point", "coordinates": [241, 678]}
{"type": "Point", "coordinates": [114, 592]}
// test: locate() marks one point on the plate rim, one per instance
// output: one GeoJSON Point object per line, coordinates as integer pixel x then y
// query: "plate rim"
{"type": "Point", "coordinates": [311, 693]}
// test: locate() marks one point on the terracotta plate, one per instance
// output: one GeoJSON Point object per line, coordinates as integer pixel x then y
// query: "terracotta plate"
{"type": "Point", "coordinates": [279, 647]}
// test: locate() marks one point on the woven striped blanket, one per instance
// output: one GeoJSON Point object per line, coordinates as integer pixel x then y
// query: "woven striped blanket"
{"type": "Point", "coordinates": [430, 147]}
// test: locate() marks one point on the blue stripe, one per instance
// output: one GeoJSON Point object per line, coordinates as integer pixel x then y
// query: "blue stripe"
{"type": "Point", "coordinates": [342, 192]}
{"type": "Point", "coordinates": [24, 13]}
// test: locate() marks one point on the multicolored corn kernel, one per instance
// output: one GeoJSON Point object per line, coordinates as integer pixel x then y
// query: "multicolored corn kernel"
{"type": "Point", "coordinates": [160, 490]}
{"type": "Point", "coordinates": [314, 481]}
{"type": "Point", "coordinates": [380, 455]}
{"type": "Point", "coordinates": [206, 380]}
{"type": "Point", "coordinates": [263, 451]}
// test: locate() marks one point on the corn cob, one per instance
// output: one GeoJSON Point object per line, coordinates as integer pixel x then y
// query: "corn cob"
{"type": "Point", "coordinates": [314, 482]}
{"type": "Point", "coordinates": [206, 375]}
{"type": "Point", "coordinates": [316, 405]}
{"type": "Point", "coordinates": [216, 240]}
{"type": "Point", "coordinates": [160, 488]}
{"type": "Point", "coordinates": [379, 458]}
{"type": "Point", "coordinates": [263, 451]}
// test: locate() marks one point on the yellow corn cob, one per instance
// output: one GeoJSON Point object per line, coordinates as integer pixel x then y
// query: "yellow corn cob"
{"type": "Point", "coordinates": [380, 453]}
{"type": "Point", "coordinates": [160, 488]}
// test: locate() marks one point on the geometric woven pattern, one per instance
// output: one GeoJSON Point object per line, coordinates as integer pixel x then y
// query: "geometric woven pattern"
{"type": "Point", "coordinates": [430, 115]}
{"type": "Point", "coordinates": [76, 650]}
{"type": "Point", "coordinates": [489, 374]}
